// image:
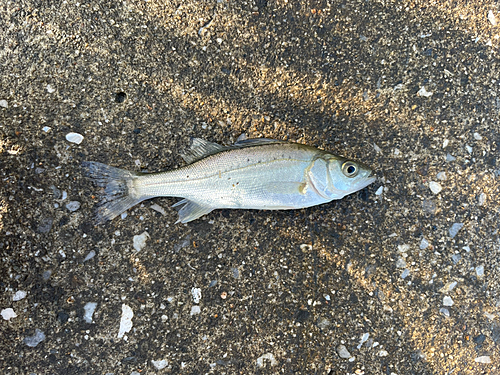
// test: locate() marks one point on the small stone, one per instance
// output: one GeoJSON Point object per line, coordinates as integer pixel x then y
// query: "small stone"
{"type": "Point", "coordinates": [4, 104]}
{"type": "Point", "coordinates": [379, 191]}
{"type": "Point", "coordinates": [323, 323]}
{"type": "Point", "coordinates": [74, 138]}
{"type": "Point", "coordinates": [429, 206]}
{"type": "Point", "coordinates": [89, 309]}
{"type": "Point", "coordinates": [454, 229]}
{"type": "Point", "coordinates": [424, 244]}
{"type": "Point", "coordinates": [468, 148]}
{"type": "Point", "coordinates": [364, 338]}
{"type": "Point", "coordinates": [34, 340]}
{"type": "Point", "coordinates": [445, 312]}
{"type": "Point", "coordinates": [50, 89]}
{"type": "Point", "coordinates": [448, 287]}
{"type": "Point", "coordinates": [90, 255]}
{"type": "Point", "coordinates": [447, 301]}
{"type": "Point", "coordinates": [46, 275]}
{"type": "Point", "coordinates": [8, 313]}
{"type": "Point", "coordinates": [383, 353]}
{"type": "Point", "coordinates": [19, 295]}
{"type": "Point", "coordinates": [478, 137]}
{"type": "Point", "coordinates": [196, 292]}
{"type": "Point", "coordinates": [456, 258]}
{"type": "Point", "coordinates": [480, 271]}
{"type": "Point", "coordinates": [435, 187]}
{"type": "Point", "coordinates": [400, 263]}
{"type": "Point", "coordinates": [482, 199]}
{"type": "Point", "coordinates": [405, 273]}
{"type": "Point", "coordinates": [236, 273]}
{"type": "Point", "coordinates": [195, 310]}
{"type": "Point", "coordinates": [46, 129]}
{"type": "Point", "coordinates": [140, 241]}
{"type": "Point", "coordinates": [343, 352]}
{"type": "Point", "coordinates": [73, 206]}
{"type": "Point", "coordinates": [493, 21]}
{"type": "Point", "coordinates": [126, 320]}
{"type": "Point", "coordinates": [267, 356]}
{"type": "Point", "coordinates": [441, 176]}
{"type": "Point", "coordinates": [483, 359]}
{"type": "Point", "coordinates": [159, 365]}
{"type": "Point", "coordinates": [424, 92]}
{"type": "Point", "coordinates": [450, 158]}
{"type": "Point", "coordinates": [159, 209]}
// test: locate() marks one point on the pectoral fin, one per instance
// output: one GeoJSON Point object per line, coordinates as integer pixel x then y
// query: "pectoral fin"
{"type": "Point", "coordinates": [191, 210]}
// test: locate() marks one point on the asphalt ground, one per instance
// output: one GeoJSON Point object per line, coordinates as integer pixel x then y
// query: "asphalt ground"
{"type": "Point", "coordinates": [375, 283]}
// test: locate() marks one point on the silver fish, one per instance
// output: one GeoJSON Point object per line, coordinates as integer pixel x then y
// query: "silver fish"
{"type": "Point", "coordinates": [251, 174]}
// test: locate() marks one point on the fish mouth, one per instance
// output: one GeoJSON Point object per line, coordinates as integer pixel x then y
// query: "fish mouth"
{"type": "Point", "coordinates": [370, 180]}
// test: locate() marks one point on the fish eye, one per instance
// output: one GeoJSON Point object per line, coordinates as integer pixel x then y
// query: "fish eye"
{"type": "Point", "coordinates": [349, 169]}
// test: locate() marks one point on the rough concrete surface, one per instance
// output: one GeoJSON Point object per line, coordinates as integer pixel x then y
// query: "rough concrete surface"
{"type": "Point", "coordinates": [400, 278]}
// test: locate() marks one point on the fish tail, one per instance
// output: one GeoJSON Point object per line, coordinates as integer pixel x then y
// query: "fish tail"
{"type": "Point", "coordinates": [117, 194]}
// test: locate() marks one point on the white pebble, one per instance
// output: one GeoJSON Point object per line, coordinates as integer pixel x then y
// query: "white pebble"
{"type": "Point", "coordinates": [444, 311]}
{"type": "Point", "coordinates": [50, 89]}
{"type": "Point", "coordinates": [140, 241]}
{"type": "Point", "coordinates": [158, 208]}
{"type": "Point", "coordinates": [445, 143]}
{"type": "Point", "coordinates": [4, 104]}
{"type": "Point", "coordinates": [89, 309]}
{"type": "Point", "coordinates": [159, 365]}
{"type": "Point", "coordinates": [36, 339]}
{"type": "Point", "coordinates": [450, 157]}
{"type": "Point", "coordinates": [8, 313]}
{"type": "Point", "coordinates": [196, 292]}
{"type": "Point", "coordinates": [405, 273]}
{"type": "Point", "coordinates": [454, 229]}
{"type": "Point", "coordinates": [383, 353]}
{"type": "Point", "coordinates": [480, 271]}
{"type": "Point", "coordinates": [424, 92]}
{"type": "Point", "coordinates": [441, 176]}
{"type": "Point", "coordinates": [377, 149]}
{"type": "Point", "coordinates": [269, 357]}
{"type": "Point", "coordinates": [19, 295]}
{"type": "Point", "coordinates": [90, 255]}
{"type": "Point", "coordinates": [379, 191]}
{"type": "Point", "coordinates": [126, 320]}
{"type": "Point", "coordinates": [483, 359]}
{"type": "Point", "coordinates": [74, 138]}
{"type": "Point", "coordinates": [364, 338]}
{"type": "Point", "coordinates": [343, 352]}
{"type": "Point", "coordinates": [482, 199]}
{"type": "Point", "coordinates": [478, 137]}
{"type": "Point", "coordinates": [492, 18]}
{"type": "Point", "coordinates": [424, 244]}
{"type": "Point", "coordinates": [46, 129]}
{"type": "Point", "coordinates": [195, 310]}
{"type": "Point", "coordinates": [448, 287]}
{"type": "Point", "coordinates": [435, 187]}
{"type": "Point", "coordinates": [469, 149]}
{"type": "Point", "coordinates": [447, 301]}
{"type": "Point", "coordinates": [73, 206]}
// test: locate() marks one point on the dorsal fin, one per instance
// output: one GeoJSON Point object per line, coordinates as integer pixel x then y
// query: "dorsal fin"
{"type": "Point", "coordinates": [201, 149]}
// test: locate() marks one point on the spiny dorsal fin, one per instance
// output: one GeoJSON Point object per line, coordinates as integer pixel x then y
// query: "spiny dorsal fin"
{"type": "Point", "coordinates": [201, 149]}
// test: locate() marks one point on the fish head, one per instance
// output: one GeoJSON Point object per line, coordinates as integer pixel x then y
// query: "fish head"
{"type": "Point", "coordinates": [346, 176]}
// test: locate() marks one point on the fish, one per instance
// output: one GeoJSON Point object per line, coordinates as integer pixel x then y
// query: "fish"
{"type": "Point", "coordinates": [260, 173]}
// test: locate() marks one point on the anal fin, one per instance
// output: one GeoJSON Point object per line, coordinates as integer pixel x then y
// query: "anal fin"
{"type": "Point", "coordinates": [191, 210]}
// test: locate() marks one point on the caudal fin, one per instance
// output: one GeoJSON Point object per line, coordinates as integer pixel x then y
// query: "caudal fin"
{"type": "Point", "coordinates": [118, 194]}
